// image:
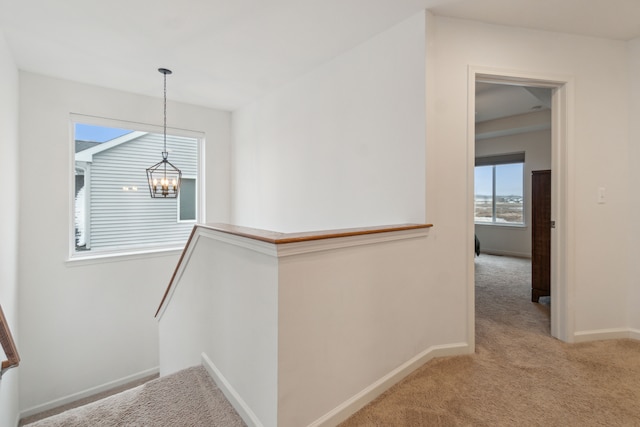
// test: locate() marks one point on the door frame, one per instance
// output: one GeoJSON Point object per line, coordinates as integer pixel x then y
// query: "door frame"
{"type": "Point", "coordinates": [562, 194]}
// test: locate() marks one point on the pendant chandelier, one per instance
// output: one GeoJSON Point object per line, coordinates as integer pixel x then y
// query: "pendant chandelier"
{"type": "Point", "coordinates": [164, 178]}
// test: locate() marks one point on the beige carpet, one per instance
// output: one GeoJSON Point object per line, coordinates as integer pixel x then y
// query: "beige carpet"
{"type": "Point", "coordinates": [186, 398]}
{"type": "Point", "coordinates": [519, 375]}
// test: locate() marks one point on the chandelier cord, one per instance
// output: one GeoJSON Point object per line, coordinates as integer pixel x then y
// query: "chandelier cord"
{"type": "Point", "coordinates": [166, 182]}
{"type": "Point", "coordinates": [164, 153]}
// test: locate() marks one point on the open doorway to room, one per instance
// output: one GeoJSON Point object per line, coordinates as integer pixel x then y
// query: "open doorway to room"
{"type": "Point", "coordinates": [512, 146]}
{"type": "Point", "coordinates": [518, 129]}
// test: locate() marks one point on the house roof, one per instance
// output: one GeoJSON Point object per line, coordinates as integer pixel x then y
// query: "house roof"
{"type": "Point", "coordinates": [86, 155]}
{"type": "Point", "coordinates": [84, 145]}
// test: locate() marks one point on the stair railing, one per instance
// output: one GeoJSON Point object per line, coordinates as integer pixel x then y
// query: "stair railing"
{"type": "Point", "coordinates": [8, 346]}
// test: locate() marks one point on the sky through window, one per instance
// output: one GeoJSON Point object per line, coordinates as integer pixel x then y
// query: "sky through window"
{"type": "Point", "coordinates": [95, 133]}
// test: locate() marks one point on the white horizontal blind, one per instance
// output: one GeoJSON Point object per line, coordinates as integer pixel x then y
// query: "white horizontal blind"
{"type": "Point", "coordinates": [121, 219]}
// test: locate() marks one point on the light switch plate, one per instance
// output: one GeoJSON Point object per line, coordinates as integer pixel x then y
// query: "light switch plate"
{"type": "Point", "coordinates": [601, 195]}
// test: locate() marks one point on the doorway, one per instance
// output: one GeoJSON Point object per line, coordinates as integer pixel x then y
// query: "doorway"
{"type": "Point", "coordinates": [559, 89]}
{"type": "Point", "coordinates": [512, 149]}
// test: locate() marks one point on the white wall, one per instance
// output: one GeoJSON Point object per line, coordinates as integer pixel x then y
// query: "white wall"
{"type": "Point", "coordinates": [83, 324]}
{"type": "Point", "coordinates": [9, 225]}
{"type": "Point", "coordinates": [342, 146]}
{"type": "Point", "coordinates": [634, 195]}
{"type": "Point", "coordinates": [304, 333]}
{"type": "Point", "coordinates": [507, 240]}
{"type": "Point", "coordinates": [355, 320]}
{"type": "Point", "coordinates": [227, 299]}
{"type": "Point", "coordinates": [598, 148]}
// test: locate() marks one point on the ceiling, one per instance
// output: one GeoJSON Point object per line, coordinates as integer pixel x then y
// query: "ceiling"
{"type": "Point", "coordinates": [225, 53]}
{"type": "Point", "coordinates": [612, 19]}
{"type": "Point", "coordinates": [494, 101]}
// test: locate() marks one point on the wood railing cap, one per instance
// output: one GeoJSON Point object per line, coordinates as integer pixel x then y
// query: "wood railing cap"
{"type": "Point", "coordinates": [279, 238]}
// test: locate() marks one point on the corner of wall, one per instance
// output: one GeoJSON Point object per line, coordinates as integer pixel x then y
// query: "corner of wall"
{"type": "Point", "coordinates": [9, 404]}
{"type": "Point", "coordinates": [633, 56]}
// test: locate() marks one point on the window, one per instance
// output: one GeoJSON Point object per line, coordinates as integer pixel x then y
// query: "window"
{"type": "Point", "coordinates": [187, 197]}
{"type": "Point", "coordinates": [499, 185]}
{"type": "Point", "coordinates": [113, 211]}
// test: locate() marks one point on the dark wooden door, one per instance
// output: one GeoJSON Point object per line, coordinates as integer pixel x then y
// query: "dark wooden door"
{"type": "Point", "coordinates": [540, 234]}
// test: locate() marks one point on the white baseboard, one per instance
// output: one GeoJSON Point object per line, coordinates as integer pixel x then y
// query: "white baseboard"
{"type": "Point", "coordinates": [349, 407]}
{"type": "Point", "coordinates": [230, 393]}
{"type": "Point", "coordinates": [634, 334]}
{"type": "Point", "coordinates": [604, 334]}
{"type": "Point", "coordinates": [490, 251]}
{"type": "Point", "coordinates": [87, 393]}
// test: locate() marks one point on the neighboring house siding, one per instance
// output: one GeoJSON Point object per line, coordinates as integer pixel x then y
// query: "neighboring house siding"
{"type": "Point", "coordinates": [122, 219]}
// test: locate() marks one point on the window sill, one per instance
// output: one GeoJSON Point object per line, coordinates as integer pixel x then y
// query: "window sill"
{"type": "Point", "coordinates": [498, 224]}
{"type": "Point", "coordinates": [106, 257]}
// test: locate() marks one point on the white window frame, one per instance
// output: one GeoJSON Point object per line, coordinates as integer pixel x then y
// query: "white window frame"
{"type": "Point", "coordinates": [151, 250]}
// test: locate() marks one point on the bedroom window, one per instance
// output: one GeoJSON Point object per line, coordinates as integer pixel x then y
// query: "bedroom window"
{"type": "Point", "coordinates": [499, 189]}
{"type": "Point", "coordinates": [113, 212]}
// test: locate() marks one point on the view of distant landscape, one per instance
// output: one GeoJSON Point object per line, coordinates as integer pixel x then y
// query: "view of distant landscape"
{"type": "Point", "coordinates": [509, 209]}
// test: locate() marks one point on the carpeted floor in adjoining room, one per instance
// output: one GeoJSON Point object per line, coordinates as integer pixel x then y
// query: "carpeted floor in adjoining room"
{"type": "Point", "coordinates": [519, 374]}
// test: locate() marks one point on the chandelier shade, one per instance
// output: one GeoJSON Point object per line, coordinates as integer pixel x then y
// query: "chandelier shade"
{"type": "Point", "coordinates": [163, 177]}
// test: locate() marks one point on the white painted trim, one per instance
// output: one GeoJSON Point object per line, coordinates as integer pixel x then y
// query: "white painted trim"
{"type": "Point", "coordinates": [290, 249]}
{"type": "Point", "coordinates": [563, 199]}
{"type": "Point", "coordinates": [512, 131]}
{"type": "Point", "coordinates": [285, 249]}
{"type": "Point", "coordinates": [107, 257]}
{"type": "Point", "coordinates": [350, 406]}
{"type": "Point", "coordinates": [128, 124]}
{"type": "Point", "coordinates": [181, 267]}
{"type": "Point", "coordinates": [87, 393]}
{"type": "Point", "coordinates": [240, 241]}
{"type": "Point", "coordinates": [602, 334]}
{"type": "Point", "coordinates": [203, 231]}
{"type": "Point", "coordinates": [238, 403]}
{"type": "Point", "coordinates": [201, 179]}
{"type": "Point", "coordinates": [296, 248]}
{"type": "Point", "coordinates": [470, 225]}
{"type": "Point", "coordinates": [634, 334]}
